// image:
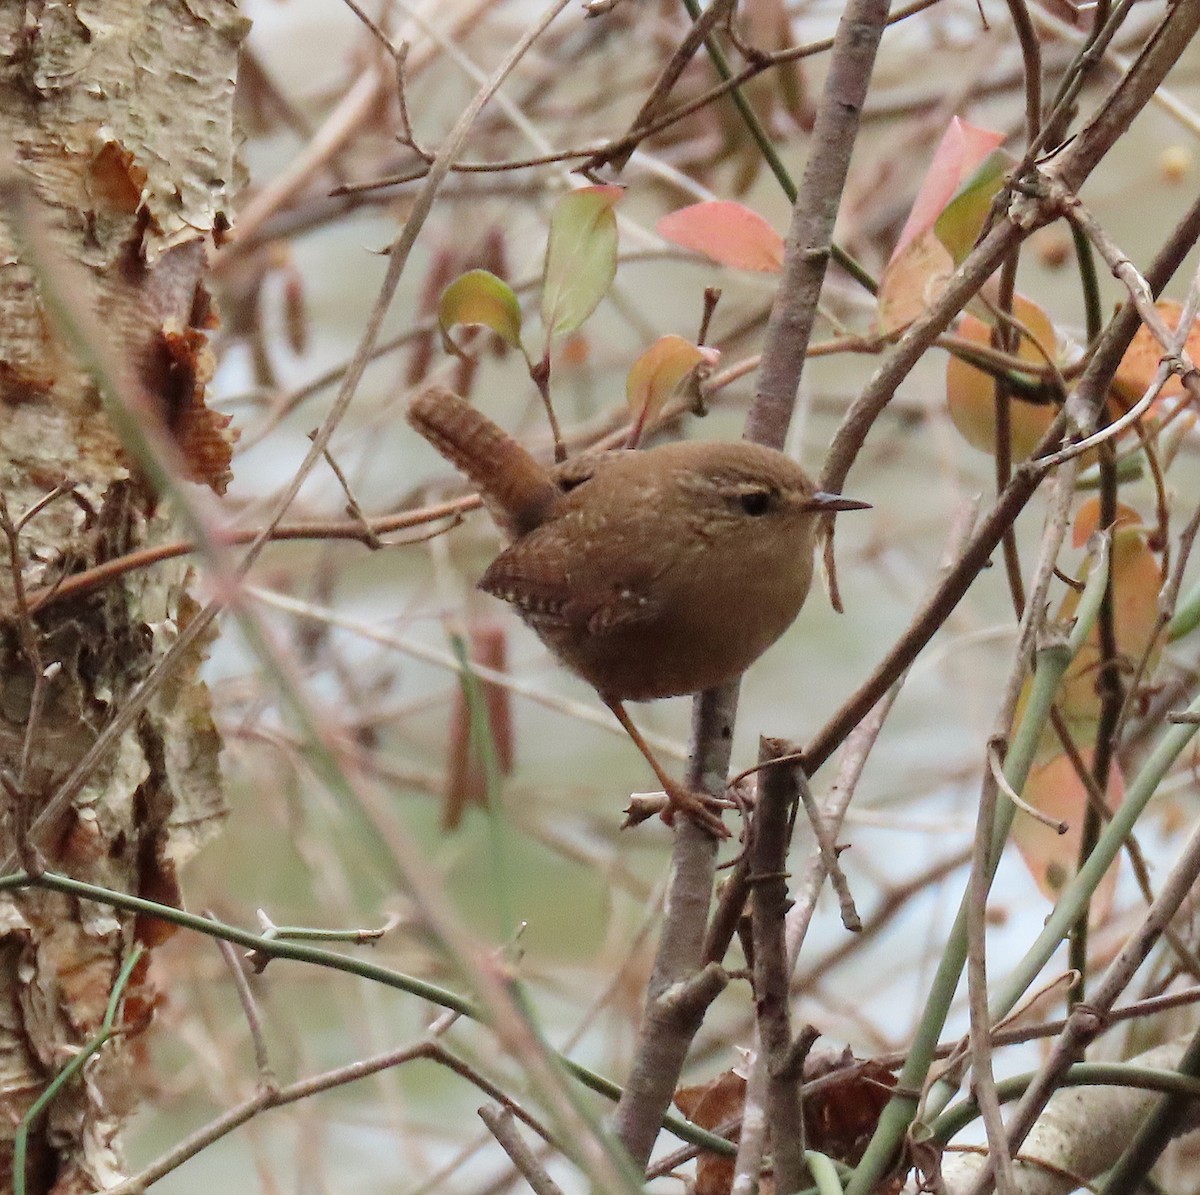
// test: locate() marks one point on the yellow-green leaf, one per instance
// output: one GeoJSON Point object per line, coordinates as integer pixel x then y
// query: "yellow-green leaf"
{"type": "Point", "coordinates": [479, 297]}
{"type": "Point", "coordinates": [581, 257]}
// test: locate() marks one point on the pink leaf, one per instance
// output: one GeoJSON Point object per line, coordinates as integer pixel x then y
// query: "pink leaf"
{"type": "Point", "coordinates": [963, 148]}
{"type": "Point", "coordinates": [730, 233]}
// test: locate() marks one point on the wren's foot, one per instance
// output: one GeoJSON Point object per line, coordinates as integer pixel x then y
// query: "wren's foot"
{"type": "Point", "coordinates": [703, 809]}
{"type": "Point", "coordinates": [700, 807]}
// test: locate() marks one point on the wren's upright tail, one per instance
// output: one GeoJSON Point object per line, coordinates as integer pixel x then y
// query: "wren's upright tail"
{"type": "Point", "coordinates": [517, 490]}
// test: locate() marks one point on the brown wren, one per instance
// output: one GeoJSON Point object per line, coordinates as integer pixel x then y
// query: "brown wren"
{"type": "Point", "coordinates": [649, 573]}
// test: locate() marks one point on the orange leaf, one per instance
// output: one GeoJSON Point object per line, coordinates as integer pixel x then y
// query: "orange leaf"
{"type": "Point", "coordinates": [1142, 357]}
{"type": "Point", "coordinates": [1087, 520]}
{"type": "Point", "coordinates": [1054, 788]}
{"type": "Point", "coordinates": [1136, 581]}
{"type": "Point", "coordinates": [659, 372]}
{"type": "Point", "coordinates": [913, 280]}
{"type": "Point", "coordinates": [971, 393]}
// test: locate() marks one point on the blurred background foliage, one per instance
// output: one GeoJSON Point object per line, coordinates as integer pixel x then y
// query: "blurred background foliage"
{"type": "Point", "coordinates": [370, 632]}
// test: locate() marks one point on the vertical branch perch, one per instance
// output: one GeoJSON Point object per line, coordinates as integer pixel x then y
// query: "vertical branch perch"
{"type": "Point", "coordinates": [665, 1036]}
{"type": "Point", "coordinates": [669, 1022]}
{"type": "Point", "coordinates": [778, 793]}
{"type": "Point", "coordinates": [810, 237]}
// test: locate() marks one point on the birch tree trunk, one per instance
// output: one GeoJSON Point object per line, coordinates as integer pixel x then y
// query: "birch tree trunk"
{"type": "Point", "coordinates": [116, 123]}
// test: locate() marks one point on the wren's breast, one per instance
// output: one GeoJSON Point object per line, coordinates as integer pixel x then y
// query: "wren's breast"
{"type": "Point", "coordinates": [706, 629]}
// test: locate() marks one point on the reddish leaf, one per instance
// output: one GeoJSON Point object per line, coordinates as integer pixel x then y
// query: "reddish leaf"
{"type": "Point", "coordinates": [922, 261]}
{"type": "Point", "coordinates": [962, 150]}
{"type": "Point", "coordinates": [840, 1118]}
{"type": "Point", "coordinates": [711, 1105]}
{"type": "Point", "coordinates": [729, 233]}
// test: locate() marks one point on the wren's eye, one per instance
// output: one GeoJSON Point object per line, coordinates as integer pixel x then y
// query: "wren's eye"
{"type": "Point", "coordinates": [756, 502]}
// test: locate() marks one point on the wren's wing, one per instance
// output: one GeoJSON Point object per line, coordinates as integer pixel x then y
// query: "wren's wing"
{"type": "Point", "coordinates": [553, 591]}
{"type": "Point", "coordinates": [531, 580]}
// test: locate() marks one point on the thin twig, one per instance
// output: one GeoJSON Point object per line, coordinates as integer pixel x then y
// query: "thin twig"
{"type": "Point", "coordinates": [503, 1127]}
{"type": "Point", "coordinates": [96, 577]}
{"type": "Point", "coordinates": [828, 849]}
{"type": "Point", "coordinates": [267, 1080]}
{"type": "Point", "coordinates": [996, 767]}
{"type": "Point", "coordinates": [265, 1099]}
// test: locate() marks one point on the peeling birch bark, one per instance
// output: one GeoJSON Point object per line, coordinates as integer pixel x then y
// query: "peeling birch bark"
{"type": "Point", "coordinates": [117, 116]}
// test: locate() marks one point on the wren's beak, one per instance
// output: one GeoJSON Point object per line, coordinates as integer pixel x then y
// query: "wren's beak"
{"type": "Point", "coordinates": [829, 503]}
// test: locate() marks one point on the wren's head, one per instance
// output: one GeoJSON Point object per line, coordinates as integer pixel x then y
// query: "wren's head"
{"type": "Point", "coordinates": [746, 490]}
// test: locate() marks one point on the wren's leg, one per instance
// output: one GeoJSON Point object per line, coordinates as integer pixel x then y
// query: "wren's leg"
{"type": "Point", "coordinates": [700, 807]}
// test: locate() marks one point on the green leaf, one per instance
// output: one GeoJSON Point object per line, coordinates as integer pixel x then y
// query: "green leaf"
{"type": "Point", "coordinates": [479, 297]}
{"type": "Point", "coordinates": [960, 223]}
{"type": "Point", "coordinates": [581, 257]}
